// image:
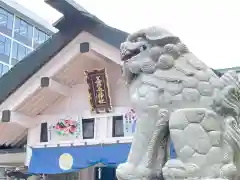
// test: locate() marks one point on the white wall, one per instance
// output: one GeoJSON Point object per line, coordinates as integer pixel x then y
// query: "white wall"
{"type": "Point", "coordinates": [77, 106]}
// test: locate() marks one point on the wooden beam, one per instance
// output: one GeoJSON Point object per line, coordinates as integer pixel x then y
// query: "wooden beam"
{"type": "Point", "coordinates": [106, 50]}
{"type": "Point", "coordinates": [95, 51]}
{"type": "Point", "coordinates": [45, 82]}
{"type": "Point", "coordinates": [29, 91]}
{"type": "Point", "coordinates": [19, 118]}
{"type": "Point", "coordinates": [84, 47]}
{"type": "Point", "coordinates": [55, 86]}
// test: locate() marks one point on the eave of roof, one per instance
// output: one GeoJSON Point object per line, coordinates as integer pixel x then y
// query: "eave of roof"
{"type": "Point", "coordinates": [72, 10]}
{"type": "Point", "coordinates": [9, 150]}
{"type": "Point", "coordinates": [15, 147]}
{"type": "Point", "coordinates": [20, 73]}
{"type": "Point", "coordinates": [237, 69]}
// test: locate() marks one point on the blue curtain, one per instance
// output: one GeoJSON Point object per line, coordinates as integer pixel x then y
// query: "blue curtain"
{"type": "Point", "coordinates": [50, 160]}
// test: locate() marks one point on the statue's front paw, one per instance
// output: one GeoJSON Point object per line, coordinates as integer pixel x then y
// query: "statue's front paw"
{"type": "Point", "coordinates": [191, 169]}
{"type": "Point", "coordinates": [148, 173]}
{"type": "Point", "coordinates": [126, 171]}
{"type": "Point", "coordinates": [175, 168]}
{"type": "Point", "coordinates": [175, 163]}
{"type": "Point", "coordinates": [170, 173]}
{"type": "Point", "coordinates": [126, 166]}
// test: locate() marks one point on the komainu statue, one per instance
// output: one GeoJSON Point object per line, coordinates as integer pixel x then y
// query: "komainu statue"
{"type": "Point", "coordinates": [181, 103]}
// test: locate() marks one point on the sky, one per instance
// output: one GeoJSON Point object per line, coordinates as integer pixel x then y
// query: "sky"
{"type": "Point", "coordinates": [210, 28]}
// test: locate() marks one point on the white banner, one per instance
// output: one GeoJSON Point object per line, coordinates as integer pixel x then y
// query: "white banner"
{"type": "Point", "coordinates": [129, 122]}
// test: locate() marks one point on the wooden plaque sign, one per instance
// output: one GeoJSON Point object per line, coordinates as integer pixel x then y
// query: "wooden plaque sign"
{"type": "Point", "coordinates": [98, 90]}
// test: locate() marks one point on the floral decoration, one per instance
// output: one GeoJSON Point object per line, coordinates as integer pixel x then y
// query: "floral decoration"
{"type": "Point", "coordinates": [66, 127]}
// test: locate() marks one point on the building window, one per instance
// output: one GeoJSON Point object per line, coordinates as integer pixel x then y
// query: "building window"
{"type": "Point", "coordinates": [23, 28]}
{"type": "Point", "coordinates": [23, 31]}
{"type": "Point", "coordinates": [44, 132]}
{"type": "Point", "coordinates": [3, 69]}
{"type": "Point", "coordinates": [19, 52]}
{"type": "Point", "coordinates": [39, 37]}
{"type": "Point", "coordinates": [117, 129]}
{"type": "Point", "coordinates": [6, 19]}
{"type": "Point", "coordinates": [5, 45]}
{"type": "Point", "coordinates": [88, 128]}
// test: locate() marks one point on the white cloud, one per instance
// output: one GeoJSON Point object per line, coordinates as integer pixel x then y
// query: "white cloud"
{"type": "Point", "coordinates": [209, 27]}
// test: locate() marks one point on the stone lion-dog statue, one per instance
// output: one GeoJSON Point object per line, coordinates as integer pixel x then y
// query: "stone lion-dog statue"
{"type": "Point", "coordinates": [178, 100]}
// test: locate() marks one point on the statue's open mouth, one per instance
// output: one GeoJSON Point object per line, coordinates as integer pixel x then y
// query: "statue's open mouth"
{"type": "Point", "coordinates": [127, 54]}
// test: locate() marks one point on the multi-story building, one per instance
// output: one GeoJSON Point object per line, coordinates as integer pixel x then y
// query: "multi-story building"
{"type": "Point", "coordinates": [21, 31]}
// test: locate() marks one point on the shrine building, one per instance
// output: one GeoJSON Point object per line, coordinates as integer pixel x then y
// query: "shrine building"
{"type": "Point", "coordinates": [68, 101]}
{"type": "Point", "coordinates": [67, 104]}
